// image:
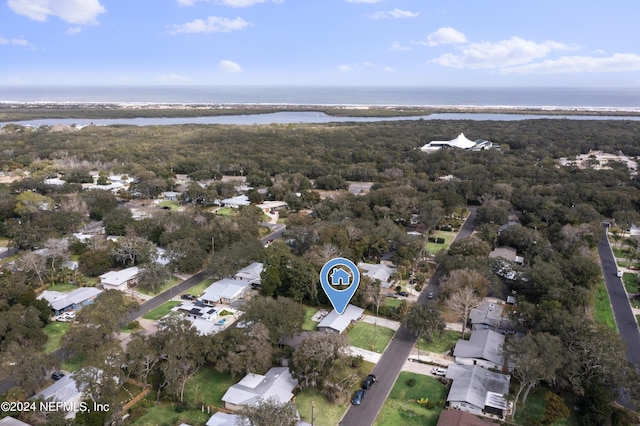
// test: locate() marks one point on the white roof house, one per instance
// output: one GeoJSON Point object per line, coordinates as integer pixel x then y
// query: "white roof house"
{"type": "Point", "coordinates": [119, 280]}
{"type": "Point", "coordinates": [483, 348]}
{"type": "Point", "coordinates": [223, 419]}
{"type": "Point", "coordinates": [477, 390]}
{"type": "Point", "coordinates": [493, 316]}
{"type": "Point", "coordinates": [381, 272]}
{"type": "Point", "coordinates": [227, 290]}
{"type": "Point", "coordinates": [277, 383]}
{"type": "Point", "coordinates": [336, 323]}
{"type": "Point", "coordinates": [11, 421]}
{"type": "Point", "coordinates": [73, 300]}
{"type": "Point", "coordinates": [235, 202]}
{"type": "Point", "coordinates": [63, 390]}
{"type": "Point", "coordinates": [460, 142]}
{"type": "Point", "coordinates": [250, 273]}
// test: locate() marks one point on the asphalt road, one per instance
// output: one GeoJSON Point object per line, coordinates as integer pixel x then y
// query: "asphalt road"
{"type": "Point", "coordinates": [388, 367]}
{"type": "Point", "coordinates": [625, 320]}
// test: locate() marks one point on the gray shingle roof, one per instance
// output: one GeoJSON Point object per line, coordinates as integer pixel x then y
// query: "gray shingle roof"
{"type": "Point", "coordinates": [483, 344]}
{"type": "Point", "coordinates": [277, 383]}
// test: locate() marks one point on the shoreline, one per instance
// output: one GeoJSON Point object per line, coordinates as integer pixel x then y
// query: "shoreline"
{"type": "Point", "coordinates": [20, 111]}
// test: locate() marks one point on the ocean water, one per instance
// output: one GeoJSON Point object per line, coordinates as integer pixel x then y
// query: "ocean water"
{"type": "Point", "coordinates": [594, 98]}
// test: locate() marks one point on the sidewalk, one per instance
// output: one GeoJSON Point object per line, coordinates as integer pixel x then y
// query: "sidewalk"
{"type": "Point", "coordinates": [366, 355]}
{"type": "Point", "coordinates": [382, 322]}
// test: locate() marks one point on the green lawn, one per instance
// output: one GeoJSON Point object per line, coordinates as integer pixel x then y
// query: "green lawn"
{"type": "Point", "coordinates": [400, 408]}
{"type": "Point", "coordinates": [164, 287]}
{"type": "Point", "coordinates": [631, 282]}
{"type": "Point", "coordinates": [63, 288]}
{"type": "Point", "coordinates": [534, 410]}
{"type": "Point", "coordinates": [207, 387]}
{"type": "Point", "coordinates": [603, 314]}
{"type": "Point", "coordinates": [226, 211]}
{"type": "Point", "coordinates": [309, 325]}
{"type": "Point", "coordinates": [54, 331]}
{"type": "Point", "coordinates": [74, 363]}
{"type": "Point", "coordinates": [161, 310]}
{"type": "Point", "coordinates": [448, 239]}
{"type": "Point", "coordinates": [327, 413]}
{"type": "Point", "coordinates": [440, 345]}
{"type": "Point", "coordinates": [172, 205]}
{"type": "Point", "coordinates": [199, 288]}
{"type": "Point", "coordinates": [370, 337]}
{"type": "Point", "coordinates": [390, 301]}
{"type": "Point", "coordinates": [165, 414]}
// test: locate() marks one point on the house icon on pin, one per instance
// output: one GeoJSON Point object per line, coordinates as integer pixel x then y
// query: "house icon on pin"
{"type": "Point", "coordinates": [340, 277]}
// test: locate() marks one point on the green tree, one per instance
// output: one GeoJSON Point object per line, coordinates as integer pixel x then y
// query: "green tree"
{"type": "Point", "coordinates": [316, 356]}
{"type": "Point", "coordinates": [554, 408]}
{"type": "Point", "coordinates": [283, 317]}
{"type": "Point", "coordinates": [269, 412]}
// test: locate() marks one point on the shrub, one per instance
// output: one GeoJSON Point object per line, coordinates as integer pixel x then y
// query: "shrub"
{"type": "Point", "coordinates": [418, 287]}
{"type": "Point", "coordinates": [356, 361]}
{"type": "Point", "coordinates": [431, 239]}
{"type": "Point", "coordinates": [439, 240]}
{"type": "Point", "coordinates": [411, 382]}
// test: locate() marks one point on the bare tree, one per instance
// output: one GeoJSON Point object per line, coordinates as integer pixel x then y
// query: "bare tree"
{"type": "Point", "coordinates": [464, 289]}
{"type": "Point", "coordinates": [58, 250]}
{"type": "Point", "coordinates": [34, 263]}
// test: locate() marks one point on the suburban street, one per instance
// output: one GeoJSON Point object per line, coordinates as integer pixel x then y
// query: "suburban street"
{"type": "Point", "coordinates": [625, 320]}
{"type": "Point", "coordinates": [393, 358]}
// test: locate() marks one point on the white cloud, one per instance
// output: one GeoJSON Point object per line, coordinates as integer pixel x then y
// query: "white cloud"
{"type": "Point", "coordinates": [394, 14]}
{"type": "Point", "coordinates": [230, 3]}
{"type": "Point", "coordinates": [229, 67]}
{"type": "Point", "coordinates": [74, 30]}
{"type": "Point", "coordinates": [345, 68]}
{"type": "Point", "coordinates": [14, 41]}
{"type": "Point", "coordinates": [388, 69]}
{"type": "Point", "coordinates": [618, 62]}
{"type": "Point", "coordinates": [506, 53]}
{"type": "Point", "coordinates": [213, 24]}
{"type": "Point", "coordinates": [172, 79]}
{"type": "Point", "coordinates": [445, 35]}
{"type": "Point", "coordinates": [397, 46]}
{"type": "Point", "coordinates": [80, 12]}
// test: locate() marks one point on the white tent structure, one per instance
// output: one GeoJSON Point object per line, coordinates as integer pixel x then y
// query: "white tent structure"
{"type": "Point", "coordinates": [460, 142]}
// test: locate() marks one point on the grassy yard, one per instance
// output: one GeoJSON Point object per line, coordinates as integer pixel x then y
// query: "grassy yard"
{"type": "Point", "coordinates": [164, 287]}
{"type": "Point", "coordinates": [371, 337]}
{"type": "Point", "coordinates": [448, 239]}
{"type": "Point", "coordinates": [400, 408]}
{"type": "Point", "coordinates": [603, 314]}
{"type": "Point", "coordinates": [74, 363]}
{"type": "Point", "coordinates": [165, 414]}
{"type": "Point", "coordinates": [226, 211]}
{"type": "Point", "coordinates": [534, 410]}
{"type": "Point", "coordinates": [440, 345]}
{"type": "Point", "coordinates": [390, 301]}
{"type": "Point", "coordinates": [54, 331]}
{"type": "Point", "coordinates": [631, 282]}
{"type": "Point", "coordinates": [161, 310]}
{"type": "Point", "coordinates": [327, 413]}
{"type": "Point", "coordinates": [207, 387]}
{"type": "Point", "coordinates": [62, 288]}
{"type": "Point", "coordinates": [309, 325]}
{"type": "Point", "coordinates": [199, 288]}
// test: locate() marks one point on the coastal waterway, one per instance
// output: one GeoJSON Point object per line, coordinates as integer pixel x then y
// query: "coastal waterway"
{"type": "Point", "coordinates": [310, 117]}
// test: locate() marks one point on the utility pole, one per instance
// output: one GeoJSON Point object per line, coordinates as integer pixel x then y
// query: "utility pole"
{"type": "Point", "coordinates": [313, 418]}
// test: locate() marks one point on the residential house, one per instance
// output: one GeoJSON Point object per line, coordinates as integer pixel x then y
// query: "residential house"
{"type": "Point", "coordinates": [235, 202]}
{"type": "Point", "coordinates": [477, 390]}
{"type": "Point", "coordinates": [271, 206]}
{"type": "Point", "coordinates": [227, 290]}
{"type": "Point", "coordinates": [223, 419]}
{"type": "Point", "coordinates": [381, 272]}
{"type": "Point", "coordinates": [64, 391]}
{"type": "Point", "coordinates": [461, 142]}
{"type": "Point", "coordinates": [484, 348]}
{"type": "Point", "coordinates": [120, 280]}
{"type": "Point", "coordinates": [461, 418]}
{"type": "Point", "coordinates": [336, 323]}
{"type": "Point", "coordinates": [12, 421]}
{"type": "Point", "coordinates": [72, 301]}
{"type": "Point", "coordinates": [251, 273]}
{"type": "Point", "coordinates": [276, 383]}
{"type": "Point", "coordinates": [494, 316]}
{"type": "Point", "coordinates": [170, 196]}
{"type": "Point", "coordinates": [207, 319]}
{"type": "Point", "coordinates": [508, 253]}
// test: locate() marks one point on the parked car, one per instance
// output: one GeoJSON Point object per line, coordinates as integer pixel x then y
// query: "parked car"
{"type": "Point", "coordinates": [430, 295]}
{"type": "Point", "coordinates": [619, 274]}
{"type": "Point", "coordinates": [187, 296]}
{"type": "Point", "coordinates": [358, 396]}
{"type": "Point", "coordinates": [66, 317]}
{"type": "Point", "coordinates": [403, 293]}
{"type": "Point", "coordinates": [57, 375]}
{"type": "Point", "coordinates": [439, 371]}
{"type": "Point", "coordinates": [369, 381]}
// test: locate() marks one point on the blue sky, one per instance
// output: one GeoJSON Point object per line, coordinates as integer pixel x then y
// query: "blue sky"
{"type": "Point", "coordinates": [320, 42]}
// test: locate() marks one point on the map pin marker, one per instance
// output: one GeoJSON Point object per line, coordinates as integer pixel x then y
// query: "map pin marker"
{"type": "Point", "coordinates": [339, 278]}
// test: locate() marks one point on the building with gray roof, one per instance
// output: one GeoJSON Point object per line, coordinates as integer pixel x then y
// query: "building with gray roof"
{"type": "Point", "coordinates": [483, 348]}
{"type": "Point", "coordinates": [336, 323]}
{"type": "Point", "coordinates": [72, 301]}
{"type": "Point", "coordinates": [276, 383]}
{"type": "Point", "coordinates": [477, 390]}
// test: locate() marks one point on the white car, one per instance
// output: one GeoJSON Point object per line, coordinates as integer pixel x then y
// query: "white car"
{"type": "Point", "coordinates": [439, 371]}
{"type": "Point", "coordinates": [619, 274]}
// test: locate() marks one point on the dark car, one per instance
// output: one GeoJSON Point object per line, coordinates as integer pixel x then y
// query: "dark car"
{"type": "Point", "coordinates": [403, 294]}
{"type": "Point", "coordinates": [369, 381]}
{"type": "Point", "coordinates": [358, 397]}
{"type": "Point", "coordinates": [430, 295]}
{"type": "Point", "coordinates": [57, 375]}
{"type": "Point", "coordinates": [187, 296]}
